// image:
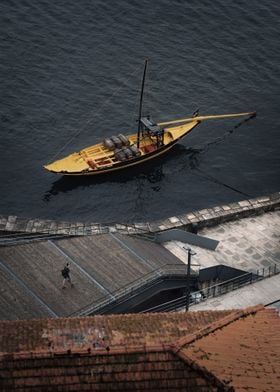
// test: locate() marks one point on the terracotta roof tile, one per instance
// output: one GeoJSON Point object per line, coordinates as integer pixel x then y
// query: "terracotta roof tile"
{"type": "Point", "coordinates": [195, 351]}
{"type": "Point", "coordinates": [98, 332]}
{"type": "Point", "coordinates": [244, 352]}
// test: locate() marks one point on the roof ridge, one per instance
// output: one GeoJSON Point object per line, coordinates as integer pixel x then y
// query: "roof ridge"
{"type": "Point", "coordinates": [215, 325]}
{"type": "Point", "coordinates": [87, 351]}
{"type": "Point", "coordinates": [211, 377]}
{"type": "Point", "coordinates": [178, 348]}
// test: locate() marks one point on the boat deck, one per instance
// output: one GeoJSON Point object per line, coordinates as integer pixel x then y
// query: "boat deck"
{"type": "Point", "coordinates": [98, 156]}
{"type": "Point", "coordinates": [97, 159]}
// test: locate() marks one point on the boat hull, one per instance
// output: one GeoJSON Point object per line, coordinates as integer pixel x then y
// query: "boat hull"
{"type": "Point", "coordinates": [125, 164]}
{"type": "Point", "coordinates": [99, 159]}
{"type": "Point", "coordinates": [129, 163]}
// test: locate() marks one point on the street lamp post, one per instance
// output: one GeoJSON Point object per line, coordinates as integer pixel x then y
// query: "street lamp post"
{"type": "Point", "coordinates": [188, 290]}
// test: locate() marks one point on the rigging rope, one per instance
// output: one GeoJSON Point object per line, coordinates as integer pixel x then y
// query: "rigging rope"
{"type": "Point", "coordinates": [115, 91]}
{"type": "Point", "coordinates": [218, 140]}
{"type": "Point", "coordinates": [216, 181]}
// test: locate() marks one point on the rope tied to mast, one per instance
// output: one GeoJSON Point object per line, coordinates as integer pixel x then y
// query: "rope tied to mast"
{"type": "Point", "coordinates": [97, 113]}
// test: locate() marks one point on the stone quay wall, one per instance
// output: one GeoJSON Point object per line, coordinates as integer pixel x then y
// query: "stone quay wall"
{"type": "Point", "coordinates": [188, 221]}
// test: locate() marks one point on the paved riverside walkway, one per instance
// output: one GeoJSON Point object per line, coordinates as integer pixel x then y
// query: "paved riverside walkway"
{"type": "Point", "coordinates": [30, 278]}
{"type": "Point", "coordinates": [248, 244]}
{"type": "Point", "coordinates": [201, 218]}
{"type": "Point", "coordinates": [263, 292]}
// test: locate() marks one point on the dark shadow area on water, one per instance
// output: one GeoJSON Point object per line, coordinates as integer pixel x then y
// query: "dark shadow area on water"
{"type": "Point", "coordinates": [152, 171]}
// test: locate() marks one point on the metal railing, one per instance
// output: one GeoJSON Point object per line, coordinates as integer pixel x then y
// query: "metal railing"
{"type": "Point", "coordinates": [217, 289]}
{"type": "Point", "coordinates": [137, 286]}
{"type": "Point", "coordinates": [25, 238]}
{"type": "Point", "coordinates": [8, 238]}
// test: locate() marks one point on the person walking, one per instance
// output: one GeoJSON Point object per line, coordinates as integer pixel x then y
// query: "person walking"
{"type": "Point", "coordinates": [66, 276]}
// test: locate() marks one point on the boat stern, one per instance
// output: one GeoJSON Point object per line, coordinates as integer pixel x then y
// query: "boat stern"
{"type": "Point", "coordinates": [180, 131]}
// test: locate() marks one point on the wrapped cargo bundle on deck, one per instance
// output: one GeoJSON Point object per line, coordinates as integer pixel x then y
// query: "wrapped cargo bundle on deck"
{"type": "Point", "coordinates": [128, 153]}
{"type": "Point", "coordinates": [135, 151]}
{"type": "Point", "coordinates": [108, 144]}
{"type": "Point", "coordinates": [117, 142]}
{"type": "Point", "coordinates": [123, 139]}
{"type": "Point", "coordinates": [120, 155]}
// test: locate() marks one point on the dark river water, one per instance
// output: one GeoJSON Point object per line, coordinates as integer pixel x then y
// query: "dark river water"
{"type": "Point", "coordinates": [70, 75]}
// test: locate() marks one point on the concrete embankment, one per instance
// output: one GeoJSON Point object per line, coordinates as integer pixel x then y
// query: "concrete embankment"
{"type": "Point", "coordinates": [202, 218]}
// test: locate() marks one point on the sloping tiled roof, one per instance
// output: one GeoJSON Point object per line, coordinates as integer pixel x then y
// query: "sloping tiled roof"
{"type": "Point", "coordinates": [116, 331]}
{"type": "Point", "coordinates": [244, 354]}
{"type": "Point", "coordinates": [194, 351]}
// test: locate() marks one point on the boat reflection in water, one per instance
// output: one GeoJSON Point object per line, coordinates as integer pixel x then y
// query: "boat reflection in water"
{"type": "Point", "coordinates": [152, 172]}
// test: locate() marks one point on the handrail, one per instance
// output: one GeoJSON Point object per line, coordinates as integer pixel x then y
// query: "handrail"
{"type": "Point", "coordinates": [216, 290]}
{"type": "Point", "coordinates": [133, 287]}
{"type": "Point", "coordinates": [72, 231]}
{"type": "Point", "coordinates": [9, 241]}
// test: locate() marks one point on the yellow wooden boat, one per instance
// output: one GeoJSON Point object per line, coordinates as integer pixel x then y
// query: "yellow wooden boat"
{"type": "Point", "coordinates": [120, 152]}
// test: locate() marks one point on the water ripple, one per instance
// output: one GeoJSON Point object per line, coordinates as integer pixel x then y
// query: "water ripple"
{"type": "Point", "coordinates": [72, 71]}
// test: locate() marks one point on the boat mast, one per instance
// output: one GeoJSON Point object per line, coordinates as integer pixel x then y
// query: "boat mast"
{"type": "Point", "coordinates": [140, 105]}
